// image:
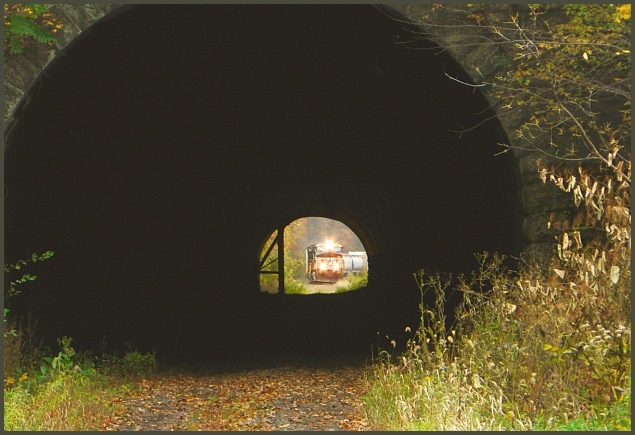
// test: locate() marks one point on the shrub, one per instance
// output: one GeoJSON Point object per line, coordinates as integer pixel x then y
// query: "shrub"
{"type": "Point", "coordinates": [292, 286]}
{"type": "Point", "coordinates": [133, 364]}
{"type": "Point", "coordinates": [354, 282]}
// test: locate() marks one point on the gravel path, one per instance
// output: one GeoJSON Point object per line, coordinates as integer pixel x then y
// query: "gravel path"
{"type": "Point", "coordinates": [292, 397]}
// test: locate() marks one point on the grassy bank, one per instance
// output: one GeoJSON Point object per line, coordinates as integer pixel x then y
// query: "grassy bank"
{"type": "Point", "coordinates": [507, 364]}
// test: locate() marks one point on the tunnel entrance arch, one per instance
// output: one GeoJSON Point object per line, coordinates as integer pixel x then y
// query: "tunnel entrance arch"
{"type": "Point", "coordinates": [154, 170]}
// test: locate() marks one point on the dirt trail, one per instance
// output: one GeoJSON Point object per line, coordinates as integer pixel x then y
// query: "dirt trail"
{"type": "Point", "coordinates": [292, 397]}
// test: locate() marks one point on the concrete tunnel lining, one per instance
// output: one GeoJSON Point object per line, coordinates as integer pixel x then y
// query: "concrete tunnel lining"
{"type": "Point", "coordinates": [154, 169]}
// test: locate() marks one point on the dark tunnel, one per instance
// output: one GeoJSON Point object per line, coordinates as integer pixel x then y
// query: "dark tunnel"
{"type": "Point", "coordinates": [161, 148]}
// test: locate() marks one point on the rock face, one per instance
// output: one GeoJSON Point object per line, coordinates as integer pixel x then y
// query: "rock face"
{"type": "Point", "coordinates": [157, 168]}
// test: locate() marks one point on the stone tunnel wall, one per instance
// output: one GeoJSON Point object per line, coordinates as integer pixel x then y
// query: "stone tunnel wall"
{"type": "Point", "coordinates": [457, 31]}
{"type": "Point", "coordinates": [539, 201]}
{"type": "Point", "coordinates": [20, 71]}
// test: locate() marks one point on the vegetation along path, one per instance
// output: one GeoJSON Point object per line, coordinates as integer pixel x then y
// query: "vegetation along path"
{"type": "Point", "coordinates": [291, 397]}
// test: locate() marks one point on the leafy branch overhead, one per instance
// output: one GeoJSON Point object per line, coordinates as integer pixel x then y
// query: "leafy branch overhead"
{"type": "Point", "coordinates": [28, 25]}
{"type": "Point", "coordinates": [574, 78]}
{"type": "Point", "coordinates": [566, 69]}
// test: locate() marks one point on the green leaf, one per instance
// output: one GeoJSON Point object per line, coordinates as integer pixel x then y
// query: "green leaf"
{"type": "Point", "coordinates": [21, 26]}
{"type": "Point", "coordinates": [27, 27]}
{"type": "Point", "coordinates": [27, 277]}
{"type": "Point", "coordinates": [15, 47]}
{"type": "Point", "coordinates": [42, 35]}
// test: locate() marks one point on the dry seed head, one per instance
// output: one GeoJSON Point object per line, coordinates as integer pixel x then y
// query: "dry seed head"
{"type": "Point", "coordinates": [615, 274]}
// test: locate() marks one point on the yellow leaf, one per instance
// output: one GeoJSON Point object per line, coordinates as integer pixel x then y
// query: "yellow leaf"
{"type": "Point", "coordinates": [623, 12]}
{"type": "Point", "coordinates": [549, 348]}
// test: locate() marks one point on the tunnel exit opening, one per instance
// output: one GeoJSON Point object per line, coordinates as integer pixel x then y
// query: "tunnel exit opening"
{"type": "Point", "coordinates": [313, 255]}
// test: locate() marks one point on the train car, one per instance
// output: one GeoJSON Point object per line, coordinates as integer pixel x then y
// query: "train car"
{"type": "Point", "coordinates": [327, 263]}
{"type": "Point", "coordinates": [355, 262]}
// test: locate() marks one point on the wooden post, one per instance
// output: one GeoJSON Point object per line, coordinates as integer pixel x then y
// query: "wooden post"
{"type": "Point", "coordinates": [281, 260]}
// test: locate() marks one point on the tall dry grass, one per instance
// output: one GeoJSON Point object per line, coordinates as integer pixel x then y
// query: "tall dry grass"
{"type": "Point", "coordinates": [530, 348]}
